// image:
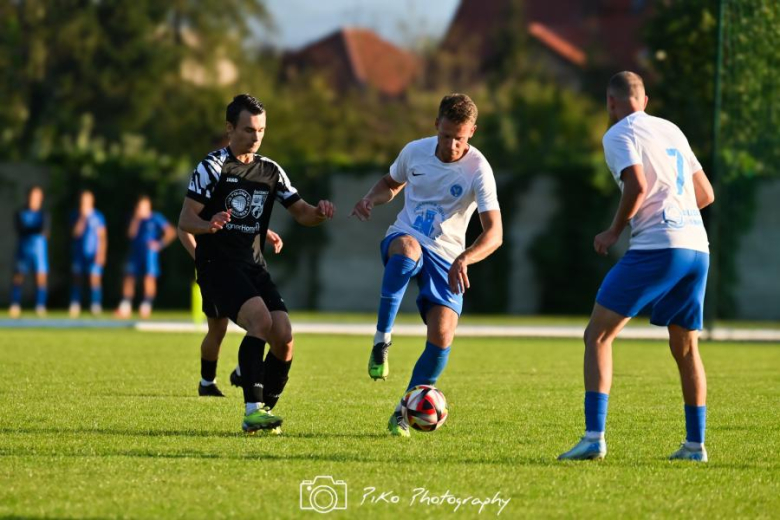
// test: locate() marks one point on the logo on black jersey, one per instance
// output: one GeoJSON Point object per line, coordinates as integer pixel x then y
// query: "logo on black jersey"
{"type": "Point", "coordinates": [231, 179]}
{"type": "Point", "coordinates": [238, 203]}
{"type": "Point", "coordinates": [258, 201]}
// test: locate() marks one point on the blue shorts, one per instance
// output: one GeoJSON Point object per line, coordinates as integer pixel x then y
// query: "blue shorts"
{"type": "Point", "coordinates": [32, 256]}
{"type": "Point", "coordinates": [431, 273]}
{"type": "Point", "coordinates": [143, 263]}
{"type": "Point", "coordinates": [86, 265]}
{"type": "Point", "coordinates": [671, 282]}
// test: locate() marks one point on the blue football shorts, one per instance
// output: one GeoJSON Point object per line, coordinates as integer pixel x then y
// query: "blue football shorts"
{"type": "Point", "coordinates": [670, 282]}
{"type": "Point", "coordinates": [431, 274]}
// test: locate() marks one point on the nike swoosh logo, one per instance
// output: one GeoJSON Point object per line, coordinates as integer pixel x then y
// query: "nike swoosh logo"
{"type": "Point", "coordinates": [417, 174]}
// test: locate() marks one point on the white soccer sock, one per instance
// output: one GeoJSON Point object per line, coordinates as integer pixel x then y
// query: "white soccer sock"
{"type": "Point", "coordinates": [238, 370]}
{"type": "Point", "coordinates": [204, 382]}
{"type": "Point", "coordinates": [696, 446]}
{"type": "Point", "coordinates": [594, 436]}
{"type": "Point", "coordinates": [382, 337]}
{"type": "Point", "coordinates": [251, 407]}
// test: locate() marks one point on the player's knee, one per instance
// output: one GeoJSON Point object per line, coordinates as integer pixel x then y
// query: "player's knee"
{"type": "Point", "coordinates": [406, 246]}
{"type": "Point", "coordinates": [593, 338]}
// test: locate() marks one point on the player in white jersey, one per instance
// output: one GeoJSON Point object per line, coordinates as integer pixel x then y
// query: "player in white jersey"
{"type": "Point", "coordinates": [663, 188]}
{"type": "Point", "coordinates": [446, 180]}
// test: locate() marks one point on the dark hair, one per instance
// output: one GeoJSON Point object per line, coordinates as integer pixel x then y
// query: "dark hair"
{"type": "Point", "coordinates": [240, 103]}
{"type": "Point", "coordinates": [458, 108]}
{"type": "Point", "coordinates": [626, 84]}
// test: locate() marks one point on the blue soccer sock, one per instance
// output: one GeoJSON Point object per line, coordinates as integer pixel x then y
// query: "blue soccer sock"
{"type": "Point", "coordinates": [695, 423]}
{"type": "Point", "coordinates": [398, 272]}
{"type": "Point", "coordinates": [16, 294]}
{"type": "Point", "coordinates": [430, 365]}
{"type": "Point", "coordinates": [596, 412]}
{"type": "Point", "coordinates": [97, 295]}
{"type": "Point", "coordinates": [75, 294]}
{"type": "Point", "coordinates": [40, 297]}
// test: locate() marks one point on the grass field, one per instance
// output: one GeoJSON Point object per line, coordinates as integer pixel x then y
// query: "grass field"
{"type": "Point", "coordinates": [102, 424]}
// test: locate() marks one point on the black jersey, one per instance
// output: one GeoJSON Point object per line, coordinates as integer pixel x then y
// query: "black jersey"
{"type": "Point", "coordinates": [221, 183]}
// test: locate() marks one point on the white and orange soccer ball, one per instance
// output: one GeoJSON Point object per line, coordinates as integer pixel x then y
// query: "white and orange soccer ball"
{"type": "Point", "coordinates": [424, 408]}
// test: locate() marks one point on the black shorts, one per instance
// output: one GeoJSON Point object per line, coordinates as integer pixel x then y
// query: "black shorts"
{"type": "Point", "coordinates": [225, 287]}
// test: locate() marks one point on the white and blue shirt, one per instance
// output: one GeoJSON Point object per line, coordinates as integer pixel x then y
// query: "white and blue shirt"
{"type": "Point", "coordinates": [439, 197]}
{"type": "Point", "coordinates": [669, 216]}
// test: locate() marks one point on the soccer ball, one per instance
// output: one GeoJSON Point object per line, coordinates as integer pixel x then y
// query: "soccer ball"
{"type": "Point", "coordinates": [425, 408]}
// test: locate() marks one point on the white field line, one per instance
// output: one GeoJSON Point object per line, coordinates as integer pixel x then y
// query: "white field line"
{"type": "Point", "coordinates": [505, 331]}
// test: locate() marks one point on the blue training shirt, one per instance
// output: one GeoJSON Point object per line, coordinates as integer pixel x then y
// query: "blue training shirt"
{"type": "Point", "coordinates": [87, 244]}
{"type": "Point", "coordinates": [149, 229]}
{"type": "Point", "coordinates": [30, 225]}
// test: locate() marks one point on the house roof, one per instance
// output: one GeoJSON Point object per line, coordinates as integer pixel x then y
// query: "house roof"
{"type": "Point", "coordinates": [358, 57]}
{"type": "Point", "coordinates": [582, 32]}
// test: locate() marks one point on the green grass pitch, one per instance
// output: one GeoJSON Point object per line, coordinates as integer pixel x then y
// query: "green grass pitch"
{"type": "Point", "coordinates": [98, 424]}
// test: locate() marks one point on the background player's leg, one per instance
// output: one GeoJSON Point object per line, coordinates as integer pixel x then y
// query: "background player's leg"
{"type": "Point", "coordinates": [209, 355]}
{"type": "Point", "coordinates": [279, 358]}
{"type": "Point", "coordinates": [256, 320]}
{"type": "Point", "coordinates": [150, 292]}
{"type": "Point", "coordinates": [16, 294]}
{"type": "Point", "coordinates": [128, 291]}
{"type": "Point", "coordinates": [75, 295]}
{"type": "Point", "coordinates": [601, 331]}
{"type": "Point", "coordinates": [684, 345]}
{"type": "Point", "coordinates": [209, 349]}
{"type": "Point", "coordinates": [442, 322]}
{"type": "Point", "coordinates": [96, 290]}
{"type": "Point", "coordinates": [41, 293]}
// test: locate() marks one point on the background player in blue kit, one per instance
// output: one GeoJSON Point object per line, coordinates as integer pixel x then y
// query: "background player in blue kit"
{"type": "Point", "coordinates": [445, 181]}
{"type": "Point", "coordinates": [31, 224]}
{"type": "Point", "coordinates": [149, 233]}
{"type": "Point", "coordinates": [90, 243]}
{"type": "Point", "coordinates": [663, 188]}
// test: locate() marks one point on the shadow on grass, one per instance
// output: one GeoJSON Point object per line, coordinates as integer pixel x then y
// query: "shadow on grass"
{"type": "Point", "coordinates": [178, 433]}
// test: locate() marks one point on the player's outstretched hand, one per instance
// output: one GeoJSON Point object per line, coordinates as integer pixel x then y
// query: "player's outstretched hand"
{"type": "Point", "coordinates": [458, 276]}
{"type": "Point", "coordinates": [362, 210]}
{"type": "Point", "coordinates": [604, 241]}
{"type": "Point", "coordinates": [218, 221]}
{"type": "Point", "coordinates": [275, 240]}
{"type": "Point", "coordinates": [326, 209]}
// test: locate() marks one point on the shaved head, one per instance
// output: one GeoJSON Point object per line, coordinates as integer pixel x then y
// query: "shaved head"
{"type": "Point", "coordinates": [626, 85]}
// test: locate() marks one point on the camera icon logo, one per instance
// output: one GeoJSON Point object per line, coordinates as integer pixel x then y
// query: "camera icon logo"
{"type": "Point", "coordinates": [323, 494]}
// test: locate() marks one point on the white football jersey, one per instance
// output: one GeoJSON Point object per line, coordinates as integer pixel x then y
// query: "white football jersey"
{"type": "Point", "coordinates": [439, 197]}
{"type": "Point", "coordinates": [669, 217]}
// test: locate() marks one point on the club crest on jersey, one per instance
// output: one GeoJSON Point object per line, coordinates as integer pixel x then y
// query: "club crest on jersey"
{"type": "Point", "coordinates": [456, 190]}
{"type": "Point", "coordinates": [238, 203]}
{"type": "Point", "coordinates": [258, 201]}
{"type": "Point", "coordinates": [428, 219]}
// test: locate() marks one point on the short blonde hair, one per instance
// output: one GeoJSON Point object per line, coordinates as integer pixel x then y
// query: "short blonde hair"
{"type": "Point", "coordinates": [458, 108]}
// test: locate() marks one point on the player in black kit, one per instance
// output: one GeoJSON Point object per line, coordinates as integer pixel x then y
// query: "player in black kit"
{"type": "Point", "coordinates": [228, 204]}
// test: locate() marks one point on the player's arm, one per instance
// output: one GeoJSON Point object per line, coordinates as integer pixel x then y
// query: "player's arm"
{"type": "Point", "coordinates": [487, 242]}
{"type": "Point", "coordinates": [308, 215]}
{"type": "Point", "coordinates": [634, 193]}
{"type": "Point", "coordinates": [102, 246]}
{"type": "Point", "coordinates": [705, 195]}
{"type": "Point", "coordinates": [80, 225]}
{"type": "Point", "coordinates": [190, 221]}
{"type": "Point", "coordinates": [169, 235]}
{"type": "Point", "coordinates": [187, 240]}
{"type": "Point", "coordinates": [382, 192]}
{"type": "Point", "coordinates": [275, 240]}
